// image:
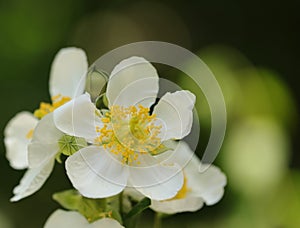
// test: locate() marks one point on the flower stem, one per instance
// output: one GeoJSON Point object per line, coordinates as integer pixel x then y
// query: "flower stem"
{"type": "Point", "coordinates": [121, 203]}
{"type": "Point", "coordinates": [157, 220]}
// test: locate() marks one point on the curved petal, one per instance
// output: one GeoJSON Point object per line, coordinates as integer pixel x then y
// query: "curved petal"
{"type": "Point", "coordinates": [190, 203]}
{"type": "Point", "coordinates": [95, 173]}
{"type": "Point", "coordinates": [157, 182]}
{"type": "Point", "coordinates": [132, 81]}
{"type": "Point", "coordinates": [78, 118]}
{"type": "Point", "coordinates": [209, 185]}
{"type": "Point", "coordinates": [15, 138]}
{"type": "Point", "coordinates": [68, 71]}
{"type": "Point", "coordinates": [44, 144]}
{"type": "Point", "coordinates": [32, 181]}
{"type": "Point", "coordinates": [46, 131]}
{"type": "Point", "coordinates": [175, 110]}
{"type": "Point", "coordinates": [180, 154]}
{"type": "Point", "coordinates": [61, 218]}
{"type": "Point", "coordinates": [40, 152]}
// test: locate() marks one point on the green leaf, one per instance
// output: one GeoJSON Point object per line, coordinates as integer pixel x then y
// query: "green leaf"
{"type": "Point", "coordinates": [91, 209]}
{"type": "Point", "coordinates": [117, 216]}
{"type": "Point", "coordinates": [138, 208]}
{"type": "Point", "coordinates": [69, 199]}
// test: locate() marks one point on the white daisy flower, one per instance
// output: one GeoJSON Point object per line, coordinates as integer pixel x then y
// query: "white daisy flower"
{"type": "Point", "coordinates": [125, 137]}
{"type": "Point", "coordinates": [45, 140]}
{"type": "Point", "coordinates": [198, 188]}
{"type": "Point", "coordinates": [68, 67]}
{"type": "Point", "coordinates": [64, 219]}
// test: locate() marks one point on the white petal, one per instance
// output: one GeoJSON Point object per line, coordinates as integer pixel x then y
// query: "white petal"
{"type": "Point", "coordinates": [32, 181]}
{"type": "Point", "coordinates": [78, 118]}
{"type": "Point", "coordinates": [157, 182]}
{"type": "Point", "coordinates": [15, 139]}
{"type": "Point", "coordinates": [208, 185]}
{"type": "Point", "coordinates": [180, 154]}
{"type": "Point", "coordinates": [40, 152]}
{"type": "Point", "coordinates": [68, 72]}
{"type": "Point", "coordinates": [66, 219]}
{"type": "Point", "coordinates": [175, 111]}
{"type": "Point", "coordinates": [44, 144]}
{"type": "Point", "coordinates": [95, 173]}
{"type": "Point", "coordinates": [46, 131]}
{"type": "Point", "coordinates": [132, 81]}
{"type": "Point", "coordinates": [189, 203]}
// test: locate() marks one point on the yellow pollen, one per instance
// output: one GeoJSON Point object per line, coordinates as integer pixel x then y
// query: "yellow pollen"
{"type": "Point", "coordinates": [46, 108]}
{"type": "Point", "coordinates": [29, 134]}
{"type": "Point", "coordinates": [183, 191]}
{"type": "Point", "coordinates": [129, 132]}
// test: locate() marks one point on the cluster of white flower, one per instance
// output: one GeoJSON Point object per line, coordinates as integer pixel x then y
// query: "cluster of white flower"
{"type": "Point", "coordinates": [131, 147]}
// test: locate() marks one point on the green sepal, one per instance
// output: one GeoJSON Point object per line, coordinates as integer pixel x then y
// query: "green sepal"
{"type": "Point", "coordinates": [138, 208]}
{"type": "Point", "coordinates": [91, 209]}
{"type": "Point", "coordinates": [101, 101]}
{"type": "Point", "coordinates": [68, 145]}
{"type": "Point", "coordinates": [58, 157]}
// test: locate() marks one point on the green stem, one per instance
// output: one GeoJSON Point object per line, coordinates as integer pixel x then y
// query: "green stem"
{"type": "Point", "coordinates": [121, 203]}
{"type": "Point", "coordinates": [157, 220]}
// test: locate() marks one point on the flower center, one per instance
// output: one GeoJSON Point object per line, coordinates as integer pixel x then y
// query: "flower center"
{"type": "Point", "coordinates": [46, 108]}
{"type": "Point", "coordinates": [129, 132]}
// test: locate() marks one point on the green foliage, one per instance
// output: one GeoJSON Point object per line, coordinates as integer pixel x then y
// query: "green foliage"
{"type": "Point", "coordinates": [92, 209]}
{"type": "Point", "coordinates": [138, 208]}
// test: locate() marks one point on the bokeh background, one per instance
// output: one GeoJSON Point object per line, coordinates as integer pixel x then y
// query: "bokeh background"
{"type": "Point", "coordinates": [252, 47]}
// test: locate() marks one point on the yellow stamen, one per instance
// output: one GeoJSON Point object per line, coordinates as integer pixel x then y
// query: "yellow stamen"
{"type": "Point", "coordinates": [29, 134]}
{"type": "Point", "coordinates": [183, 191]}
{"type": "Point", "coordinates": [46, 108]}
{"type": "Point", "coordinates": [129, 132]}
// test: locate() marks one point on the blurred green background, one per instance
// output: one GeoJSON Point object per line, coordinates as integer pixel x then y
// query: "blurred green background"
{"type": "Point", "coordinates": [251, 47]}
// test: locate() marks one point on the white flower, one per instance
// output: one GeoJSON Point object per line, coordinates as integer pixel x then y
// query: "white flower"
{"type": "Point", "coordinates": [198, 188]}
{"type": "Point", "coordinates": [124, 136]}
{"type": "Point", "coordinates": [17, 135]}
{"type": "Point", "coordinates": [68, 67]}
{"type": "Point", "coordinates": [66, 219]}
{"type": "Point", "coordinates": [42, 151]}
{"type": "Point", "coordinates": [67, 76]}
